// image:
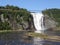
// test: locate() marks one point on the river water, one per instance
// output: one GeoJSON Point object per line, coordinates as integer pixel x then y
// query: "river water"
{"type": "Point", "coordinates": [19, 38]}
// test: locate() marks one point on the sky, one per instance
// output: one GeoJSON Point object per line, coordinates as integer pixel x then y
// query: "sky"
{"type": "Point", "coordinates": [32, 5]}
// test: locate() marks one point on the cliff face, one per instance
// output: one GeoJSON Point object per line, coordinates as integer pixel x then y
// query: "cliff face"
{"type": "Point", "coordinates": [16, 23]}
{"type": "Point", "coordinates": [14, 18]}
{"type": "Point", "coordinates": [49, 22]}
{"type": "Point", "coordinates": [54, 14]}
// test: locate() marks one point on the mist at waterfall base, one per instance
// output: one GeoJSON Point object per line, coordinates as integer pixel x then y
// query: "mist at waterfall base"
{"type": "Point", "coordinates": [38, 22]}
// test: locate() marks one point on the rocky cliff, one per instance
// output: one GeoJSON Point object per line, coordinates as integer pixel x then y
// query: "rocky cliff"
{"type": "Point", "coordinates": [14, 18]}
{"type": "Point", "coordinates": [53, 17]}
{"type": "Point", "coordinates": [49, 22]}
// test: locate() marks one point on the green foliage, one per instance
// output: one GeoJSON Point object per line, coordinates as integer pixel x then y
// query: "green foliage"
{"type": "Point", "coordinates": [4, 26]}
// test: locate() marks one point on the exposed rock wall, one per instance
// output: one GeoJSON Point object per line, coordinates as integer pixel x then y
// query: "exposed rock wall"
{"type": "Point", "coordinates": [49, 22]}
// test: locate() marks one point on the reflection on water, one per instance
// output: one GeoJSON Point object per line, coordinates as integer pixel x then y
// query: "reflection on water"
{"type": "Point", "coordinates": [38, 41]}
{"type": "Point", "coordinates": [15, 38]}
{"type": "Point", "coordinates": [19, 38]}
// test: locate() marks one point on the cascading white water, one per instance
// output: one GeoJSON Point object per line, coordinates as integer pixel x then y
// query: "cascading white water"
{"type": "Point", "coordinates": [38, 22]}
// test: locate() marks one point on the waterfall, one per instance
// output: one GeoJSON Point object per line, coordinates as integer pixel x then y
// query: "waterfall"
{"type": "Point", "coordinates": [38, 22]}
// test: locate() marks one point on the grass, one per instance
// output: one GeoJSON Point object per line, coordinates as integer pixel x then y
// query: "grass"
{"type": "Point", "coordinates": [2, 31]}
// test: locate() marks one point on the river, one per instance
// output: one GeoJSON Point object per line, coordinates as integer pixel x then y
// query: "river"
{"type": "Point", "coordinates": [19, 38]}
